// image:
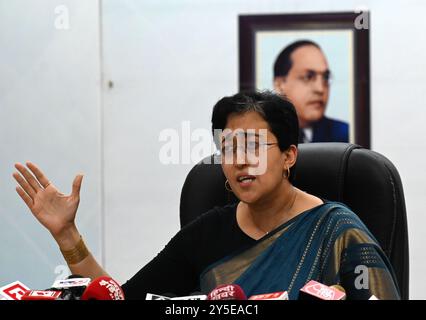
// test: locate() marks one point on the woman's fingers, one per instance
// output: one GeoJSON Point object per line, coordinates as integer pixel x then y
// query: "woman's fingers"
{"type": "Point", "coordinates": [39, 174]}
{"type": "Point", "coordinates": [28, 201]}
{"type": "Point", "coordinates": [31, 185]}
{"type": "Point", "coordinates": [28, 176]}
{"type": "Point", "coordinates": [76, 185]}
{"type": "Point", "coordinates": [25, 186]}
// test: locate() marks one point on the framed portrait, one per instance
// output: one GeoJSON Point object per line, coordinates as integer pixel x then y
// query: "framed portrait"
{"type": "Point", "coordinates": [263, 40]}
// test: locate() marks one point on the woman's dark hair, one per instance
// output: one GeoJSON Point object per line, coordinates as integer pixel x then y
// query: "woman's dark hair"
{"type": "Point", "coordinates": [277, 111]}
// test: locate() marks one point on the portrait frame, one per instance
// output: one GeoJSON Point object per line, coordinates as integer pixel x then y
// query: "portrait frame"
{"type": "Point", "coordinates": [257, 44]}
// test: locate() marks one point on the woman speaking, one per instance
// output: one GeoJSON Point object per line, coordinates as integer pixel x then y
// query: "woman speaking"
{"type": "Point", "coordinates": [275, 238]}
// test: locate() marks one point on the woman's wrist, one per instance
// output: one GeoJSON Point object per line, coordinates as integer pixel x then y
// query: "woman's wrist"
{"type": "Point", "coordinates": [76, 254]}
{"type": "Point", "coordinates": [72, 246]}
{"type": "Point", "coordinates": [68, 238]}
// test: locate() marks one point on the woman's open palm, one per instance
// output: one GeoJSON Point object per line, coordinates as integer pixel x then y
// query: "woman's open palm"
{"type": "Point", "coordinates": [51, 207]}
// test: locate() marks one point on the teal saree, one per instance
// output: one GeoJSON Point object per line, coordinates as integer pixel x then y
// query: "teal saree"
{"type": "Point", "coordinates": [328, 243]}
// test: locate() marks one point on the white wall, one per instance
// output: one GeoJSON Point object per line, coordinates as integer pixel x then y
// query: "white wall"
{"type": "Point", "coordinates": [49, 114]}
{"type": "Point", "coordinates": [170, 61]}
{"type": "Point", "coordinates": [399, 111]}
{"type": "Point", "coordinates": [175, 59]}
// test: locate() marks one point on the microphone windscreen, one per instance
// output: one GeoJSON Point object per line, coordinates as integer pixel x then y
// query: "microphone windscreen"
{"type": "Point", "coordinates": [314, 290]}
{"type": "Point", "coordinates": [103, 288]}
{"type": "Point", "coordinates": [341, 289]}
{"type": "Point", "coordinates": [72, 287]}
{"type": "Point", "coordinates": [41, 295]}
{"type": "Point", "coordinates": [281, 295]}
{"type": "Point", "coordinates": [71, 282]}
{"type": "Point", "coordinates": [227, 292]}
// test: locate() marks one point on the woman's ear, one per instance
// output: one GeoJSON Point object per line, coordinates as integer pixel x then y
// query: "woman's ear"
{"type": "Point", "coordinates": [290, 156]}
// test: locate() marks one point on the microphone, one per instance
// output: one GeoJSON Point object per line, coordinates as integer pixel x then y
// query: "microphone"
{"type": "Point", "coordinates": [103, 288]}
{"type": "Point", "coordinates": [227, 292]}
{"type": "Point", "coordinates": [197, 295]}
{"type": "Point", "coordinates": [41, 295]}
{"type": "Point", "coordinates": [280, 295]}
{"type": "Point", "coordinates": [193, 296]}
{"type": "Point", "coordinates": [71, 288]}
{"type": "Point", "coordinates": [13, 291]}
{"type": "Point", "coordinates": [170, 296]}
{"type": "Point", "coordinates": [152, 296]}
{"type": "Point", "coordinates": [314, 290]}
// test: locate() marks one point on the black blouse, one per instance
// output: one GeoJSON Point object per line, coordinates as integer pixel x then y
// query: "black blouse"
{"type": "Point", "coordinates": [177, 268]}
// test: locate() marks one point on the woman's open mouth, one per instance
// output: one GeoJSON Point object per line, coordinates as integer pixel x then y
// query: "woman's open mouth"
{"type": "Point", "coordinates": [245, 180]}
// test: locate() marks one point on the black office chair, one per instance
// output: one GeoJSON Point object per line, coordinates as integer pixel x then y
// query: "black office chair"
{"type": "Point", "coordinates": [364, 180]}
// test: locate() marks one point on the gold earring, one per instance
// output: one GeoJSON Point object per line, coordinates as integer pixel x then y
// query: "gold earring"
{"type": "Point", "coordinates": [228, 186]}
{"type": "Point", "coordinates": [288, 173]}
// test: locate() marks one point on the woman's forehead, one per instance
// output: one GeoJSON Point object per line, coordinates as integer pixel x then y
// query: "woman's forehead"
{"type": "Point", "coordinates": [247, 124]}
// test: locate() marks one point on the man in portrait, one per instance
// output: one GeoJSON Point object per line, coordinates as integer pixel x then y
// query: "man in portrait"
{"type": "Point", "coordinates": [301, 73]}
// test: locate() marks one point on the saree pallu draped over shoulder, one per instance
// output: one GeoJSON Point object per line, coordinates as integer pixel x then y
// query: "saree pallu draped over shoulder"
{"type": "Point", "coordinates": [328, 243]}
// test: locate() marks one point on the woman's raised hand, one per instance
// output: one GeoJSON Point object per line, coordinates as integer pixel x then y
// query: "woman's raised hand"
{"type": "Point", "coordinates": [52, 208]}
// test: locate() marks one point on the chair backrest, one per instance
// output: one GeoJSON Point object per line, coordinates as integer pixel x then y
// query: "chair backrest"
{"type": "Point", "coordinates": [364, 180]}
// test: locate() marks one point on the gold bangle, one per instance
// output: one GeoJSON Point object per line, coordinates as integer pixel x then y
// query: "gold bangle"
{"type": "Point", "coordinates": [76, 254]}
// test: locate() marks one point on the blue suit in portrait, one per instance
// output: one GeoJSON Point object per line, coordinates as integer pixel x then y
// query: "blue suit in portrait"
{"type": "Point", "coordinates": [329, 130]}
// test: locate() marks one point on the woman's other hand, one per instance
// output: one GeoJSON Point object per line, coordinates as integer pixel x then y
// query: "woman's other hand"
{"type": "Point", "coordinates": [51, 207]}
